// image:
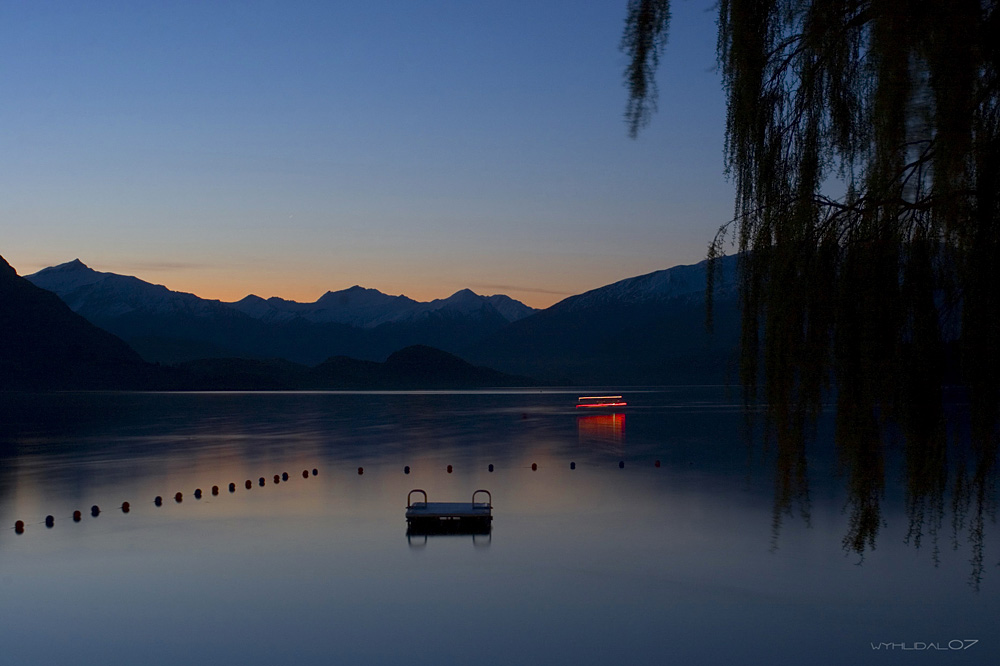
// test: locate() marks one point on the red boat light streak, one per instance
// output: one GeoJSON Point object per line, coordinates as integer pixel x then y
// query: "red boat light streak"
{"type": "Point", "coordinates": [605, 401]}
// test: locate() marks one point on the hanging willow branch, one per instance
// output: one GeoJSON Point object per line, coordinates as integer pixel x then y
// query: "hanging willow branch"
{"type": "Point", "coordinates": [644, 39]}
{"type": "Point", "coordinates": [863, 137]}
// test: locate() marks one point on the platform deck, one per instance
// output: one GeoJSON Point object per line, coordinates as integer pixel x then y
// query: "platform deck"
{"type": "Point", "coordinates": [444, 510]}
{"type": "Point", "coordinates": [424, 512]}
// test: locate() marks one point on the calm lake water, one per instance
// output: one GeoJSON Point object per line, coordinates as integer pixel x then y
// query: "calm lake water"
{"type": "Point", "coordinates": [688, 562]}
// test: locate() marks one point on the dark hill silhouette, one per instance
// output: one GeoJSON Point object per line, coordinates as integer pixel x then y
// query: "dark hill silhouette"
{"type": "Point", "coordinates": [344, 372]}
{"type": "Point", "coordinates": [243, 374]}
{"type": "Point", "coordinates": [415, 367]}
{"type": "Point", "coordinates": [45, 345]}
{"type": "Point", "coordinates": [419, 365]}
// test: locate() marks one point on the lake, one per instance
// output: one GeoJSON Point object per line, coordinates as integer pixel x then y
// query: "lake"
{"type": "Point", "coordinates": [655, 535]}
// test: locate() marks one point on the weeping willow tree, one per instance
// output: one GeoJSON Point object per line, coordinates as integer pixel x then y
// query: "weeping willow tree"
{"type": "Point", "coordinates": [863, 138]}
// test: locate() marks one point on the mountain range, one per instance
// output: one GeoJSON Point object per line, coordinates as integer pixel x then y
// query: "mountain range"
{"type": "Point", "coordinates": [170, 327]}
{"type": "Point", "coordinates": [370, 308]}
{"type": "Point", "coordinates": [44, 345]}
{"type": "Point", "coordinates": [642, 330]}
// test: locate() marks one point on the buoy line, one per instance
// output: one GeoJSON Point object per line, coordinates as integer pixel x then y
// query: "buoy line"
{"type": "Point", "coordinates": [125, 507]}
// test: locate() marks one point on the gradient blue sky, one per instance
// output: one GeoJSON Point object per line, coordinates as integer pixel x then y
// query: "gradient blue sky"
{"type": "Point", "coordinates": [290, 148]}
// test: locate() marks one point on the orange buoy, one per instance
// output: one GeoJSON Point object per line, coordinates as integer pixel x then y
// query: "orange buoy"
{"type": "Point", "coordinates": [534, 467]}
{"type": "Point", "coordinates": [656, 464]}
{"type": "Point", "coordinates": [19, 527]}
{"type": "Point", "coordinates": [305, 474]}
{"type": "Point", "coordinates": [449, 469]}
{"type": "Point", "coordinates": [95, 511]}
{"type": "Point", "coordinates": [158, 501]}
{"type": "Point", "coordinates": [249, 484]}
{"type": "Point", "coordinates": [179, 497]}
{"type": "Point", "coordinates": [50, 521]}
{"type": "Point", "coordinates": [284, 476]}
{"type": "Point", "coordinates": [76, 516]}
{"type": "Point", "coordinates": [361, 470]}
{"type": "Point", "coordinates": [197, 493]}
{"type": "Point", "coordinates": [277, 478]}
{"type": "Point", "coordinates": [125, 507]}
{"type": "Point", "coordinates": [232, 487]}
{"type": "Point", "coordinates": [215, 490]}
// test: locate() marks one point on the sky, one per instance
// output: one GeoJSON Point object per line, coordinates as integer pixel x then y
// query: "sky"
{"type": "Point", "coordinates": [291, 148]}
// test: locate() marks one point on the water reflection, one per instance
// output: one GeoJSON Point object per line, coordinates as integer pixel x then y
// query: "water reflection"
{"type": "Point", "coordinates": [418, 539]}
{"type": "Point", "coordinates": [673, 551]}
{"type": "Point", "coordinates": [481, 535]}
{"type": "Point", "coordinates": [602, 431]}
{"type": "Point", "coordinates": [870, 448]}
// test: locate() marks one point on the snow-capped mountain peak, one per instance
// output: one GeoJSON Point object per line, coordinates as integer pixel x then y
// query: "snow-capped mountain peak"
{"type": "Point", "coordinates": [687, 281]}
{"type": "Point", "coordinates": [367, 308]}
{"type": "Point", "coordinates": [67, 277]}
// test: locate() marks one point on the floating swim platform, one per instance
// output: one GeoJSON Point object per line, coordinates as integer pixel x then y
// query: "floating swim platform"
{"type": "Point", "coordinates": [455, 515]}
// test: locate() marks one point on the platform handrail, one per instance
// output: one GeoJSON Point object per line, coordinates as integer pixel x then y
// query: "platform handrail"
{"type": "Point", "coordinates": [417, 490]}
{"type": "Point", "coordinates": [489, 502]}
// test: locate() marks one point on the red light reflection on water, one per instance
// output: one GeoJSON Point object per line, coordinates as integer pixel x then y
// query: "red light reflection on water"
{"type": "Point", "coordinates": [602, 430]}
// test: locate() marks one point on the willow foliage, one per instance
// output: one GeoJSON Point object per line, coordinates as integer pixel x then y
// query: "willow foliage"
{"type": "Point", "coordinates": [863, 137]}
{"type": "Point", "coordinates": [864, 141]}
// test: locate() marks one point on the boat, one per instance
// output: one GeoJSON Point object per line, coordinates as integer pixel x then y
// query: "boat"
{"type": "Point", "coordinates": [600, 402]}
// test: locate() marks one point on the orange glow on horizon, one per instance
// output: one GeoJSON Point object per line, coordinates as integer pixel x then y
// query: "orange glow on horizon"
{"type": "Point", "coordinates": [230, 288]}
{"type": "Point", "coordinates": [305, 278]}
